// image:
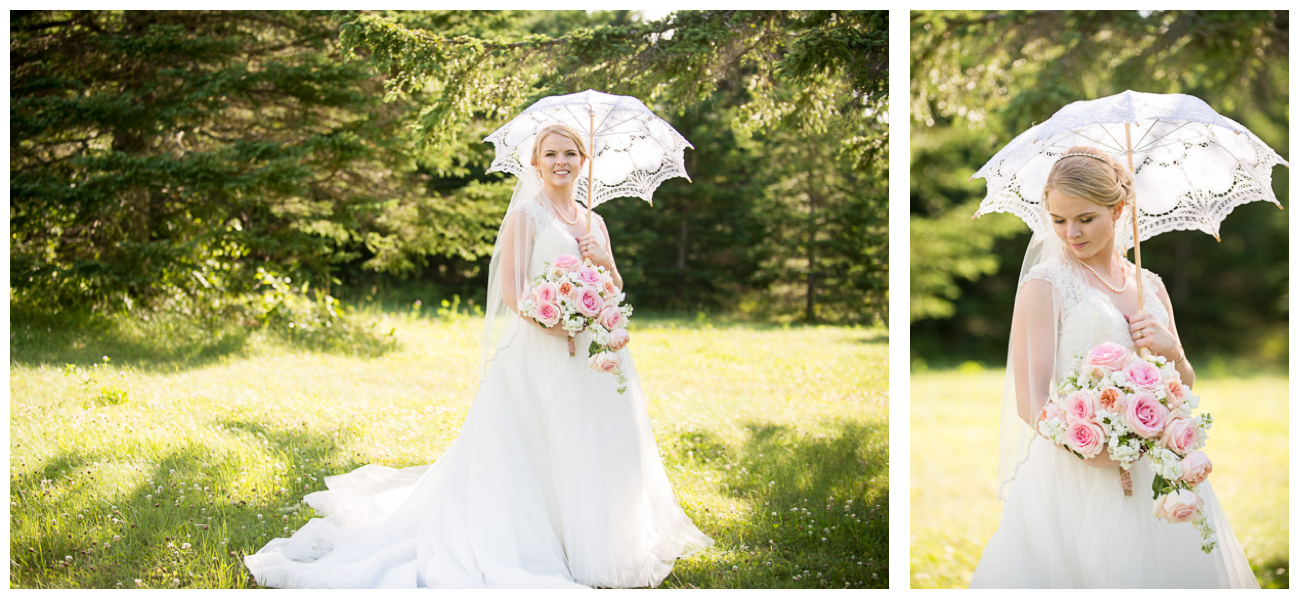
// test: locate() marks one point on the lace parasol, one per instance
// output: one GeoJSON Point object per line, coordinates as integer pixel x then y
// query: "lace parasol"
{"type": "Point", "coordinates": [632, 149]}
{"type": "Point", "coordinates": [1191, 165]}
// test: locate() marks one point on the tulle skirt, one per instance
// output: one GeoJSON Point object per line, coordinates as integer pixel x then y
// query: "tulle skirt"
{"type": "Point", "coordinates": [554, 481]}
{"type": "Point", "coordinates": [1069, 525]}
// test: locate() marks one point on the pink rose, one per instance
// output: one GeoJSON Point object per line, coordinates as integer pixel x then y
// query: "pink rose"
{"type": "Point", "coordinates": [1145, 415]}
{"type": "Point", "coordinates": [1178, 506]}
{"type": "Point", "coordinates": [1196, 468]}
{"type": "Point", "coordinates": [1109, 355]}
{"type": "Point", "coordinates": [1177, 394]}
{"type": "Point", "coordinates": [1112, 399]}
{"type": "Point", "coordinates": [1050, 411]}
{"type": "Point", "coordinates": [604, 362]}
{"type": "Point", "coordinates": [568, 290]}
{"type": "Point", "coordinates": [589, 276]}
{"type": "Point", "coordinates": [589, 302]}
{"type": "Point", "coordinates": [1085, 437]}
{"type": "Point", "coordinates": [1144, 376]}
{"type": "Point", "coordinates": [548, 314]}
{"type": "Point", "coordinates": [568, 262]}
{"type": "Point", "coordinates": [618, 339]}
{"type": "Point", "coordinates": [1080, 406]}
{"type": "Point", "coordinates": [611, 318]}
{"type": "Point", "coordinates": [546, 293]}
{"type": "Point", "coordinates": [1179, 435]}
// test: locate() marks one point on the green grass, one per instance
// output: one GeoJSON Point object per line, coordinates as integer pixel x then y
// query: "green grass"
{"type": "Point", "coordinates": [954, 490]}
{"type": "Point", "coordinates": [192, 447]}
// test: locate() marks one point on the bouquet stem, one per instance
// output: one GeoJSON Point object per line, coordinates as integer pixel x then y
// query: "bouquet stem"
{"type": "Point", "coordinates": [572, 350]}
{"type": "Point", "coordinates": [1126, 481]}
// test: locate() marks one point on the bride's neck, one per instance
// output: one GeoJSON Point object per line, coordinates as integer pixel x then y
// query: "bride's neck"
{"type": "Point", "coordinates": [562, 197]}
{"type": "Point", "coordinates": [1103, 262]}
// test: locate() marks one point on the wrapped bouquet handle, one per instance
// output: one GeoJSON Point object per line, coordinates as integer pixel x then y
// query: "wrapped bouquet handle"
{"type": "Point", "coordinates": [573, 350]}
{"type": "Point", "coordinates": [1126, 481]}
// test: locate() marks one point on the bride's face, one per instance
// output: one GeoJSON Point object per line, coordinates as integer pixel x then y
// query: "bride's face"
{"type": "Point", "coordinates": [1086, 228]}
{"type": "Point", "coordinates": [558, 160]}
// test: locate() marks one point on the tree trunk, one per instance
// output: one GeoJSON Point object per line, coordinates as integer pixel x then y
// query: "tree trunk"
{"type": "Point", "coordinates": [681, 247]}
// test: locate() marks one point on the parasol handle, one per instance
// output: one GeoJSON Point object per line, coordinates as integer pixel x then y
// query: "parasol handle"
{"type": "Point", "coordinates": [1137, 249]}
{"type": "Point", "coordinates": [591, 160]}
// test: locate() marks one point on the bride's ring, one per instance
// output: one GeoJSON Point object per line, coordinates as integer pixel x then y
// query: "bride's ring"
{"type": "Point", "coordinates": [1141, 333]}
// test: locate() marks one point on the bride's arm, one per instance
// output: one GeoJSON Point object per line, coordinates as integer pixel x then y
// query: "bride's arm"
{"type": "Point", "coordinates": [1184, 366]}
{"type": "Point", "coordinates": [598, 255]}
{"type": "Point", "coordinates": [516, 244]}
{"type": "Point", "coordinates": [1033, 347]}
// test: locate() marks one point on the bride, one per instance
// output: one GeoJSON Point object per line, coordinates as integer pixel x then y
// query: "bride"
{"type": "Point", "coordinates": [554, 480]}
{"type": "Point", "coordinates": [1067, 522]}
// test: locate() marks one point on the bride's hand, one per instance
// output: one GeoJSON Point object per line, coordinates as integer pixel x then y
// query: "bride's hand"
{"type": "Point", "coordinates": [556, 331]}
{"type": "Point", "coordinates": [1150, 334]}
{"type": "Point", "coordinates": [593, 250]}
{"type": "Point", "coordinates": [1101, 461]}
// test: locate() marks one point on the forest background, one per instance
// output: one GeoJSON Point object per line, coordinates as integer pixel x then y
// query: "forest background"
{"type": "Point", "coordinates": [260, 167]}
{"type": "Point", "coordinates": [981, 78]}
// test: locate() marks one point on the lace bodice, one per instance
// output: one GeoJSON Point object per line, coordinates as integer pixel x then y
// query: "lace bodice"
{"type": "Point", "coordinates": [1088, 317]}
{"type": "Point", "coordinates": [551, 238]}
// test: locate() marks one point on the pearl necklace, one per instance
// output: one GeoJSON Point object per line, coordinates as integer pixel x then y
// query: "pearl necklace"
{"type": "Point", "coordinates": [1120, 290]}
{"type": "Point", "coordinates": [556, 210]}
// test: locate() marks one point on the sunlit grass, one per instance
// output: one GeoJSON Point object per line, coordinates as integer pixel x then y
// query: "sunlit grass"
{"type": "Point", "coordinates": [191, 448]}
{"type": "Point", "coordinates": [954, 502]}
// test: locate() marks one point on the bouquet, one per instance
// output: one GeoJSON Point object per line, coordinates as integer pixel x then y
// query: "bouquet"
{"type": "Point", "coordinates": [1135, 406]}
{"type": "Point", "coordinates": [578, 297]}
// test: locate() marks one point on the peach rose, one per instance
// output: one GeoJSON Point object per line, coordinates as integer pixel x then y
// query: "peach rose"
{"type": "Point", "coordinates": [589, 302]}
{"type": "Point", "coordinates": [1195, 467]}
{"type": "Point", "coordinates": [611, 290]}
{"type": "Point", "coordinates": [568, 290]}
{"type": "Point", "coordinates": [604, 362]}
{"type": "Point", "coordinates": [1144, 376]}
{"type": "Point", "coordinates": [568, 262]}
{"type": "Point", "coordinates": [1050, 411]}
{"type": "Point", "coordinates": [1085, 437]}
{"type": "Point", "coordinates": [1145, 415]}
{"type": "Point", "coordinates": [618, 339]}
{"type": "Point", "coordinates": [1176, 394]}
{"type": "Point", "coordinates": [1112, 399]}
{"type": "Point", "coordinates": [1178, 506]}
{"type": "Point", "coordinates": [1080, 406]}
{"type": "Point", "coordinates": [548, 314]}
{"type": "Point", "coordinates": [1179, 435]}
{"type": "Point", "coordinates": [1108, 355]}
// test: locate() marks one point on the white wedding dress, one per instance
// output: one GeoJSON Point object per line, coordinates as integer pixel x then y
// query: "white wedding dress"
{"type": "Point", "coordinates": [554, 481]}
{"type": "Point", "coordinates": [1069, 525]}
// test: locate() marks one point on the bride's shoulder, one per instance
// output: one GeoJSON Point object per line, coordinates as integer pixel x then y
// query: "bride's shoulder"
{"type": "Point", "coordinates": [1051, 271]}
{"type": "Point", "coordinates": [529, 209]}
{"type": "Point", "coordinates": [1149, 278]}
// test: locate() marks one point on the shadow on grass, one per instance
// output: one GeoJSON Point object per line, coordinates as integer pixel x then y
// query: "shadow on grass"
{"type": "Point", "coordinates": [817, 503]}
{"type": "Point", "coordinates": [1275, 573]}
{"type": "Point", "coordinates": [154, 342]}
{"type": "Point", "coordinates": [179, 536]}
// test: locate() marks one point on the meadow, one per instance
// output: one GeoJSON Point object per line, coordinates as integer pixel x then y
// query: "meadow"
{"type": "Point", "coordinates": [954, 489]}
{"type": "Point", "coordinates": [157, 453]}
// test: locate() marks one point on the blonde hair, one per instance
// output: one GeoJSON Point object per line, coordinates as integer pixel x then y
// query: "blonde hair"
{"type": "Point", "coordinates": [559, 129]}
{"type": "Point", "coordinates": [1091, 174]}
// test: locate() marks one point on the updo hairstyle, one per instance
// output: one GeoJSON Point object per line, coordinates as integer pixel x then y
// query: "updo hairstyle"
{"type": "Point", "coordinates": [1097, 178]}
{"type": "Point", "coordinates": [559, 129]}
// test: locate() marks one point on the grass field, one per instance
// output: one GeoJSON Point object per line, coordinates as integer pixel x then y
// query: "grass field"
{"type": "Point", "coordinates": [954, 491]}
{"type": "Point", "coordinates": [190, 448]}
